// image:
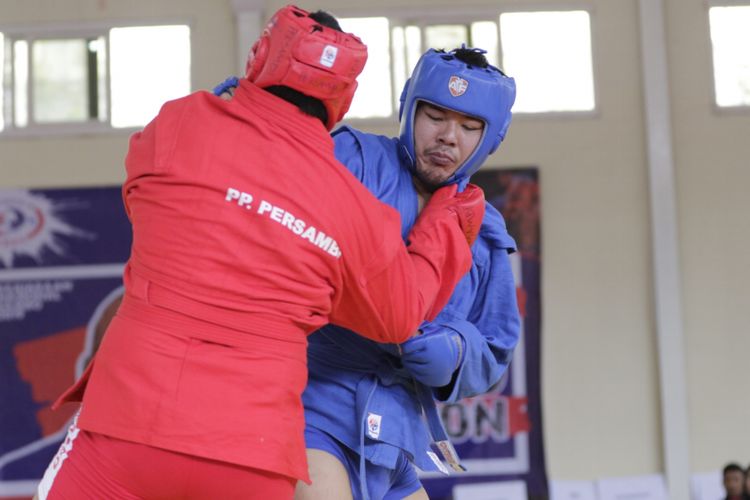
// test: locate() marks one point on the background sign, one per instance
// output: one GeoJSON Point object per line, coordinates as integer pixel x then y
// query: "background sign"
{"type": "Point", "coordinates": [62, 253]}
{"type": "Point", "coordinates": [499, 435]}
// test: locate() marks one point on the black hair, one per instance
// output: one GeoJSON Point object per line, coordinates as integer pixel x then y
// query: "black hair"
{"type": "Point", "coordinates": [308, 105]}
{"type": "Point", "coordinates": [732, 467]}
{"type": "Point", "coordinates": [325, 19]}
{"type": "Point", "coordinates": [472, 57]}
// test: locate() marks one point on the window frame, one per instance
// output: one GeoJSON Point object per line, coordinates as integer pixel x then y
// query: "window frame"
{"type": "Point", "coordinates": [414, 16]}
{"type": "Point", "coordinates": [66, 31]}
{"type": "Point", "coordinates": [735, 110]}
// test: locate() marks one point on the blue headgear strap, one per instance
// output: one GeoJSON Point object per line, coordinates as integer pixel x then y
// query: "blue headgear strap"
{"type": "Point", "coordinates": [443, 80]}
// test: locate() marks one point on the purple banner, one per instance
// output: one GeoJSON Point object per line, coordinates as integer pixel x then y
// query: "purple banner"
{"type": "Point", "coordinates": [499, 435]}
{"type": "Point", "coordinates": [61, 257]}
{"type": "Point", "coordinates": [62, 253]}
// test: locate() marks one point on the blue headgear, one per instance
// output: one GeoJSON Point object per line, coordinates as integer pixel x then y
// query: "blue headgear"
{"type": "Point", "coordinates": [443, 80]}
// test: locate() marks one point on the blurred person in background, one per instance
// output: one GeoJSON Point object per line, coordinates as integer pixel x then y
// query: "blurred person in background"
{"type": "Point", "coordinates": [734, 479]}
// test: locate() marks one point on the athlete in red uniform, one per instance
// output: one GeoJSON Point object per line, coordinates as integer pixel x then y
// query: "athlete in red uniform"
{"type": "Point", "coordinates": [247, 236]}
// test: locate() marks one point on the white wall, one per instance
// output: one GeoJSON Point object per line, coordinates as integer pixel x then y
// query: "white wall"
{"type": "Point", "coordinates": [600, 369]}
{"type": "Point", "coordinates": [712, 158]}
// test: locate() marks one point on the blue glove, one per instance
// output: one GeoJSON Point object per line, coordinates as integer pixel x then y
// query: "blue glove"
{"type": "Point", "coordinates": [432, 357]}
{"type": "Point", "coordinates": [227, 85]}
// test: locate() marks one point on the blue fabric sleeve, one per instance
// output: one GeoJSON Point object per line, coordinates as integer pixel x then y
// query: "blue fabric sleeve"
{"type": "Point", "coordinates": [491, 331]}
{"type": "Point", "coordinates": [348, 151]}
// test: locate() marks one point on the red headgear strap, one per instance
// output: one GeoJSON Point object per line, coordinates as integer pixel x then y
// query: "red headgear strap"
{"type": "Point", "coordinates": [296, 51]}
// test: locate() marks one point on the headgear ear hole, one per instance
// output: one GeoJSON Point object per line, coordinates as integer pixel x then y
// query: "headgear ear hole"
{"type": "Point", "coordinates": [402, 98]}
{"type": "Point", "coordinates": [496, 144]}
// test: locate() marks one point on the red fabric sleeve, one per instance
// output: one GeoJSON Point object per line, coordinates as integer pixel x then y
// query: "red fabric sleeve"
{"type": "Point", "coordinates": [400, 287]}
{"type": "Point", "coordinates": [150, 150]}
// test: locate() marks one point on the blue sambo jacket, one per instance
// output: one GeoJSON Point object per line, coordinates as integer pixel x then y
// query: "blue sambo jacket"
{"type": "Point", "coordinates": [352, 378]}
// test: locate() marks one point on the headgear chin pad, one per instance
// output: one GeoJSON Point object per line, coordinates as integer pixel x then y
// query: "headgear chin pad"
{"type": "Point", "coordinates": [296, 51]}
{"type": "Point", "coordinates": [443, 80]}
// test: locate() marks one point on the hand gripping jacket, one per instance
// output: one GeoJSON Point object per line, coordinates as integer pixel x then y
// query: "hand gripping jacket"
{"type": "Point", "coordinates": [443, 80]}
{"type": "Point", "coordinates": [298, 52]}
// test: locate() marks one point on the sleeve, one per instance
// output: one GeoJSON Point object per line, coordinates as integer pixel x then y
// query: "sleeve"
{"type": "Point", "coordinates": [150, 150]}
{"type": "Point", "coordinates": [393, 289]}
{"type": "Point", "coordinates": [491, 331]}
{"type": "Point", "coordinates": [139, 160]}
{"type": "Point", "coordinates": [141, 157]}
{"type": "Point", "coordinates": [348, 151]}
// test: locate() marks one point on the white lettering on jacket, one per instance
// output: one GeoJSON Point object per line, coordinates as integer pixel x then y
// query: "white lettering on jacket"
{"type": "Point", "coordinates": [286, 219]}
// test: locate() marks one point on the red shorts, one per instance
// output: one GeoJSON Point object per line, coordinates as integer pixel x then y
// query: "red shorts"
{"type": "Point", "coordinates": [94, 466]}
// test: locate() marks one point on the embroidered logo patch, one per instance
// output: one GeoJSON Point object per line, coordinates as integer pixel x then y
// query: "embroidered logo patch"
{"type": "Point", "coordinates": [328, 57]}
{"type": "Point", "coordinates": [373, 425]}
{"type": "Point", "coordinates": [457, 86]}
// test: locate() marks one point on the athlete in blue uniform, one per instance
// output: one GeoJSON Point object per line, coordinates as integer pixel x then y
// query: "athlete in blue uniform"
{"type": "Point", "coordinates": [364, 401]}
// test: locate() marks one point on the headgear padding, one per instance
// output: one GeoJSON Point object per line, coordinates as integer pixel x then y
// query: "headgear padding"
{"type": "Point", "coordinates": [298, 52]}
{"type": "Point", "coordinates": [443, 80]}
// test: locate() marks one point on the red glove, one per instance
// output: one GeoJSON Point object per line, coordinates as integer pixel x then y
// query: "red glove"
{"type": "Point", "coordinates": [468, 206]}
{"type": "Point", "coordinates": [438, 242]}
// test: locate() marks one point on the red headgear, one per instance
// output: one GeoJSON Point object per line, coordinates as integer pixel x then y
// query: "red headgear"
{"type": "Point", "coordinates": [296, 51]}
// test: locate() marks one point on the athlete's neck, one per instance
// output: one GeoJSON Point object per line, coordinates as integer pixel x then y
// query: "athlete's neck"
{"type": "Point", "coordinates": [423, 193]}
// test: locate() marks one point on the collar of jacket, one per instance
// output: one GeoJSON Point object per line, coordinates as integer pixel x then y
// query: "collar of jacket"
{"type": "Point", "coordinates": [281, 113]}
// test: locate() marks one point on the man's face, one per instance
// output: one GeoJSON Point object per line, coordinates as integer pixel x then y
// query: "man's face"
{"type": "Point", "coordinates": [443, 140]}
{"type": "Point", "coordinates": [733, 482]}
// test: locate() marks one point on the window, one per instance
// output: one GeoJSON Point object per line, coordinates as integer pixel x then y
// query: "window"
{"type": "Point", "coordinates": [60, 78]}
{"type": "Point", "coordinates": [730, 39]}
{"type": "Point", "coordinates": [2, 81]}
{"type": "Point", "coordinates": [373, 96]}
{"type": "Point", "coordinates": [549, 55]}
{"type": "Point", "coordinates": [446, 35]}
{"type": "Point", "coordinates": [407, 47]}
{"type": "Point", "coordinates": [91, 79]}
{"type": "Point", "coordinates": [150, 65]}
{"type": "Point", "coordinates": [394, 46]}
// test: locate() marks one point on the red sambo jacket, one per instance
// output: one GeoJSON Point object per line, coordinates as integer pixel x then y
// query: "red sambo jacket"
{"type": "Point", "coordinates": [247, 236]}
